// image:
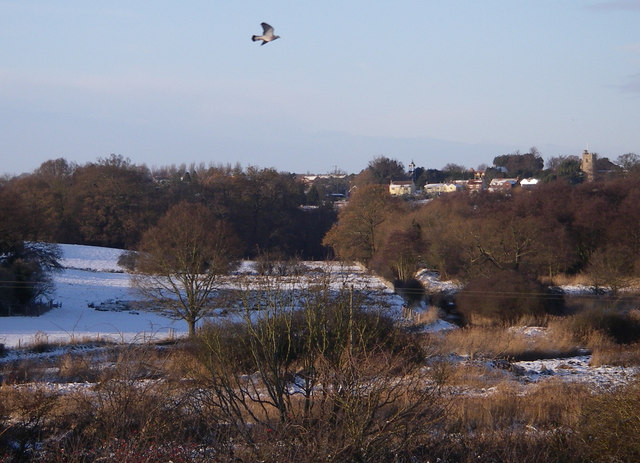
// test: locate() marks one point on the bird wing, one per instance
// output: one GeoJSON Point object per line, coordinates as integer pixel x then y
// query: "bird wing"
{"type": "Point", "coordinates": [267, 29]}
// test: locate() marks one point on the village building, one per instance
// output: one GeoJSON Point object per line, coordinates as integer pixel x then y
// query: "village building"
{"type": "Point", "coordinates": [475, 185]}
{"type": "Point", "coordinates": [529, 183]}
{"type": "Point", "coordinates": [402, 187]}
{"type": "Point", "coordinates": [502, 185]}
{"type": "Point", "coordinates": [439, 188]}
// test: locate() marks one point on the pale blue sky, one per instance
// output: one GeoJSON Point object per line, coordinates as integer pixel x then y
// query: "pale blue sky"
{"type": "Point", "coordinates": [167, 82]}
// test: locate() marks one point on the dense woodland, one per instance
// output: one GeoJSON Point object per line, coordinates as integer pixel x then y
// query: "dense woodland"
{"type": "Point", "coordinates": [556, 228]}
{"type": "Point", "coordinates": [564, 226]}
{"type": "Point", "coordinates": [112, 202]}
{"type": "Point", "coordinates": [515, 244]}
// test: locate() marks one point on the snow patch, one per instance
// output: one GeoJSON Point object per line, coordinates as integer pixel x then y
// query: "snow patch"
{"type": "Point", "coordinates": [577, 369]}
{"type": "Point", "coordinates": [439, 326]}
{"type": "Point", "coordinates": [92, 258]}
{"type": "Point", "coordinates": [432, 283]}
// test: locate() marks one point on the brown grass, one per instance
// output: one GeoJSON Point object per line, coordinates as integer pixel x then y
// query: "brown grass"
{"type": "Point", "coordinates": [609, 426]}
{"type": "Point", "coordinates": [23, 372]}
{"type": "Point", "coordinates": [549, 405]}
{"type": "Point", "coordinates": [632, 286]}
{"type": "Point", "coordinates": [78, 368]}
{"type": "Point", "coordinates": [466, 376]}
{"type": "Point", "coordinates": [563, 337]}
{"type": "Point", "coordinates": [506, 342]}
{"type": "Point", "coordinates": [616, 355]}
{"type": "Point", "coordinates": [570, 280]}
{"type": "Point", "coordinates": [580, 330]}
{"type": "Point", "coordinates": [148, 397]}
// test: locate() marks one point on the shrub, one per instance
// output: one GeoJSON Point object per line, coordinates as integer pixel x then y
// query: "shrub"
{"type": "Point", "coordinates": [505, 297]}
{"type": "Point", "coordinates": [621, 327]}
{"type": "Point", "coordinates": [504, 446]}
{"type": "Point", "coordinates": [290, 336]}
{"type": "Point", "coordinates": [128, 260]}
{"type": "Point", "coordinates": [29, 265]}
{"type": "Point", "coordinates": [30, 410]}
{"type": "Point", "coordinates": [328, 376]}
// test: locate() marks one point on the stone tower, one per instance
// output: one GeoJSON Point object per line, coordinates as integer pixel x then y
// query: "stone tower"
{"type": "Point", "coordinates": [588, 165]}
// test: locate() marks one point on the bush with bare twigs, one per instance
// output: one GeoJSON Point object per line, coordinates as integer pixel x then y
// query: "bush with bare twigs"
{"type": "Point", "coordinates": [620, 327]}
{"type": "Point", "coordinates": [29, 410]}
{"type": "Point", "coordinates": [505, 297]}
{"type": "Point", "coordinates": [329, 381]}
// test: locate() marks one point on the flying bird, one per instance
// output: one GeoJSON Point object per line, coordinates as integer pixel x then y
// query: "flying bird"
{"type": "Point", "coordinates": [267, 34]}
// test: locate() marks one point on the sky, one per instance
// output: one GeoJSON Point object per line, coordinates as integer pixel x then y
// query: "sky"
{"type": "Point", "coordinates": [435, 82]}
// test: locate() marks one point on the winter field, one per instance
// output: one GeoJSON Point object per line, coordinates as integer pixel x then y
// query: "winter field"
{"type": "Point", "coordinates": [91, 277]}
{"type": "Point", "coordinates": [93, 294]}
{"type": "Point", "coordinates": [94, 379]}
{"type": "Point", "coordinates": [94, 297]}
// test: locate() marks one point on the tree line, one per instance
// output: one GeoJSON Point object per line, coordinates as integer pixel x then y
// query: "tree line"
{"type": "Point", "coordinates": [112, 202]}
{"type": "Point", "coordinates": [563, 226]}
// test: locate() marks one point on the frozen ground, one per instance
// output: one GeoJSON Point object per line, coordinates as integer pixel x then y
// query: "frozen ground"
{"type": "Point", "coordinates": [93, 290]}
{"type": "Point", "coordinates": [89, 278]}
{"type": "Point", "coordinates": [577, 369]}
{"type": "Point", "coordinates": [432, 283]}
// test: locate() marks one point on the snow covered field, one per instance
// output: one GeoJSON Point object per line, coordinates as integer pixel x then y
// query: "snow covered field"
{"type": "Point", "coordinates": [92, 286]}
{"type": "Point", "coordinates": [89, 278]}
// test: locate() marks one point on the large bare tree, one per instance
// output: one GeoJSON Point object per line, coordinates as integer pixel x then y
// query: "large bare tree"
{"type": "Point", "coordinates": [181, 259]}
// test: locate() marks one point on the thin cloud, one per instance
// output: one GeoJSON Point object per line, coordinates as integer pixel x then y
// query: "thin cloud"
{"type": "Point", "coordinates": [633, 48]}
{"type": "Point", "coordinates": [616, 5]}
{"type": "Point", "coordinates": [125, 84]}
{"type": "Point", "coordinates": [632, 85]}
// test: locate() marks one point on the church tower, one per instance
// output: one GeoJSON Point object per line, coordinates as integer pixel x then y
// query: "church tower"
{"type": "Point", "coordinates": [412, 171]}
{"type": "Point", "coordinates": [588, 165]}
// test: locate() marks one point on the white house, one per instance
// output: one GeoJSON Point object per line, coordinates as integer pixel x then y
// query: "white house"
{"type": "Point", "coordinates": [438, 188]}
{"type": "Point", "coordinates": [401, 188]}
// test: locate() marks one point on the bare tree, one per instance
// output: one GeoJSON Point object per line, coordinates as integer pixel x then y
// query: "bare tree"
{"type": "Point", "coordinates": [181, 259]}
{"type": "Point", "coordinates": [610, 267]}
{"type": "Point", "coordinates": [628, 161]}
